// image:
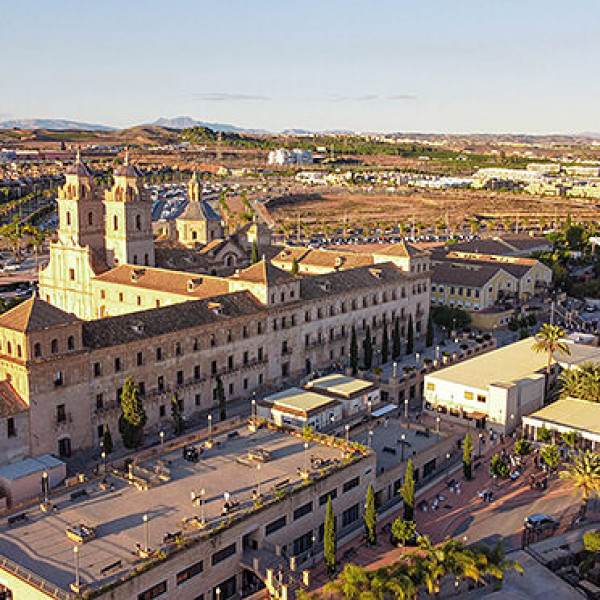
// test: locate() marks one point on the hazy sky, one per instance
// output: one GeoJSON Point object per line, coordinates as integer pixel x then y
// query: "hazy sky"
{"type": "Point", "coordinates": [386, 65]}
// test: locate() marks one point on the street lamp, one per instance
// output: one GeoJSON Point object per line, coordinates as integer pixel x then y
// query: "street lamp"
{"type": "Point", "coordinates": [253, 411]}
{"type": "Point", "coordinates": [202, 492]}
{"type": "Point", "coordinates": [347, 428]}
{"type": "Point", "coordinates": [218, 593]}
{"type": "Point", "coordinates": [162, 439]}
{"type": "Point", "coordinates": [406, 407]}
{"type": "Point", "coordinates": [209, 427]}
{"type": "Point", "coordinates": [103, 457]}
{"type": "Point", "coordinates": [45, 486]}
{"type": "Point", "coordinates": [437, 424]}
{"type": "Point", "coordinates": [258, 480]}
{"type": "Point", "coordinates": [146, 542]}
{"type": "Point", "coordinates": [370, 437]}
{"type": "Point", "coordinates": [403, 440]}
{"type": "Point", "coordinates": [306, 458]}
{"type": "Point", "coordinates": [76, 558]}
{"type": "Point", "coordinates": [480, 439]}
{"type": "Point", "coordinates": [369, 407]}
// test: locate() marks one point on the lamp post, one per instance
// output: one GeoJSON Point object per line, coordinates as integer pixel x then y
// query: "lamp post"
{"type": "Point", "coordinates": [258, 480]}
{"type": "Point", "coordinates": [146, 542]}
{"type": "Point", "coordinates": [480, 439]}
{"type": "Point", "coordinates": [103, 457]}
{"type": "Point", "coordinates": [369, 404]}
{"type": "Point", "coordinates": [218, 593]}
{"type": "Point", "coordinates": [306, 458]}
{"type": "Point", "coordinates": [209, 427]}
{"type": "Point", "coordinates": [162, 440]}
{"type": "Point", "coordinates": [253, 411]}
{"type": "Point", "coordinates": [45, 485]}
{"type": "Point", "coordinates": [202, 519]}
{"type": "Point", "coordinates": [406, 407]}
{"type": "Point", "coordinates": [370, 437]}
{"type": "Point", "coordinates": [437, 423]}
{"type": "Point", "coordinates": [347, 428]}
{"type": "Point", "coordinates": [403, 442]}
{"type": "Point", "coordinates": [76, 558]}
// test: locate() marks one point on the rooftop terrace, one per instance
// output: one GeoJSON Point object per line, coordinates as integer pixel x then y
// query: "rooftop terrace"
{"type": "Point", "coordinates": [40, 545]}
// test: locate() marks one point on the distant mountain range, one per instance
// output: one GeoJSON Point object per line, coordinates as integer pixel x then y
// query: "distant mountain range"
{"type": "Point", "coordinates": [187, 122]}
{"type": "Point", "coordinates": [52, 124]}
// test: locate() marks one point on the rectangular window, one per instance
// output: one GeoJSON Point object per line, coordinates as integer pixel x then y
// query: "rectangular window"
{"type": "Point", "coordinates": [260, 354]}
{"type": "Point", "coordinates": [117, 365]}
{"type": "Point", "coordinates": [197, 372]}
{"type": "Point", "coordinates": [161, 383]}
{"type": "Point", "coordinates": [275, 525]}
{"type": "Point", "coordinates": [141, 388]}
{"type": "Point", "coordinates": [11, 429]}
{"type": "Point", "coordinates": [159, 354]}
{"type": "Point", "coordinates": [430, 386]}
{"type": "Point", "coordinates": [481, 398]}
{"type": "Point", "coordinates": [230, 363]}
{"type": "Point", "coordinates": [223, 554]}
{"type": "Point", "coordinates": [350, 516]}
{"type": "Point", "coordinates": [213, 367]}
{"type": "Point", "coordinates": [154, 592]}
{"type": "Point", "coordinates": [351, 484]}
{"type": "Point", "coordinates": [97, 369]}
{"type": "Point", "coordinates": [179, 377]}
{"type": "Point", "coordinates": [332, 494]}
{"type": "Point", "coordinates": [140, 359]}
{"type": "Point", "coordinates": [178, 351]}
{"type": "Point", "coordinates": [303, 543]}
{"type": "Point", "coordinates": [303, 511]}
{"type": "Point", "coordinates": [99, 401]}
{"type": "Point", "coordinates": [190, 572]}
{"type": "Point", "coordinates": [61, 413]}
{"type": "Point", "coordinates": [468, 395]}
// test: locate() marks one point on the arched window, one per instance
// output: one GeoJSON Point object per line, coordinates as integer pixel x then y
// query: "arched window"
{"type": "Point", "coordinates": [54, 346]}
{"type": "Point", "coordinates": [115, 223]}
{"type": "Point", "coordinates": [68, 218]}
{"type": "Point", "coordinates": [71, 343]}
{"type": "Point", "coordinates": [37, 350]}
{"type": "Point", "coordinates": [138, 222]}
{"type": "Point", "coordinates": [90, 218]}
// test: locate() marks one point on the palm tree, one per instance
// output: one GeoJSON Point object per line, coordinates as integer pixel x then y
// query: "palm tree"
{"type": "Point", "coordinates": [583, 473]}
{"type": "Point", "coordinates": [589, 377]}
{"type": "Point", "coordinates": [569, 382]}
{"type": "Point", "coordinates": [351, 584]}
{"type": "Point", "coordinates": [493, 561]}
{"type": "Point", "coordinates": [550, 340]}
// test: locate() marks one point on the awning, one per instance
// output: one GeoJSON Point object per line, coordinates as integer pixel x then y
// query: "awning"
{"type": "Point", "coordinates": [384, 410]}
{"type": "Point", "coordinates": [476, 415]}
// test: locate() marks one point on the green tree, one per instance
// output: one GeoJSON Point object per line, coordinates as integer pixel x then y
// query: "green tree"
{"type": "Point", "coordinates": [493, 561]}
{"type": "Point", "coordinates": [385, 350]}
{"type": "Point", "coordinates": [570, 438]}
{"type": "Point", "coordinates": [368, 349]}
{"type": "Point", "coordinates": [408, 492]}
{"type": "Point", "coordinates": [294, 266]}
{"type": "Point", "coordinates": [133, 417]}
{"type": "Point", "coordinates": [450, 318]}
{"type": "Point", "coordinates": [498, 468]}
{"type": "Point", "coordinates": [430, 333]}
{"type": "Point", "coordinates": [544, 435]}
{"type": "Point", "coordinates": [353, 351]}
{"type": "Point", "coordinates": [254, 257]}
{"type": "Point", "coordinates": [468, 457]}
{"type": "Point", "coordinates": [583, 474]}
{"type": "Point", "coordinates": [410, 336]}
{"type": "Point", "coordinates": [522, 447]}
{"type": "Point", "coordinates": [370, 516]}
{"type": "Point", "coordinates": [329, 538]}
{"type": "Point", "coordinates": [551, 456]}
{"type": "Point", "coordinates": [176, 415]}
{"type": "Point", "coordinates": [396, 342]}
{"type": "Point", "coordinates": [403, 530]}
{"type": "Point", "coordinates": [550, 340]}
{"type": "Point", "coordinates": [107, 443]}
{"type": "Point", "coordinates": [222, 401]}
{"type": "Point", "coordinates": [354, 583]}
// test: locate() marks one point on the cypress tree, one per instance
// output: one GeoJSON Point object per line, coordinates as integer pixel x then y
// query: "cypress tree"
{"type": "Point", "coordinates": [353, 351]}
{"type": "Point", "coordinates": [370, 517]}
{"type": "Point", "coordinates": [408, 492]}
{"type": "Point", "coordinates": [254, 257]}
{"type": "Point", "coordinates": [368, 349]}
{"type": "Point", "coordinates": [107, 443]}
{"type": "Point", "coordinates": [329, 538]}
{"type": "Point", "coordinates": [429, 334]}
{"type": "Point", "coordinates": [294, 266]}
{"type": "Point", "coordinates": [385, 346]}
{"type": "Point", "coordinates": [176, 415]}
{"type": "Point", "coordinates": [468, 457]}
{"type": "Point", "coordinates": [410, 336]}
{"type": "Point", "coordinates": [396, 343]}
{"type": "Point", "coordinates": [133, 418]}
{"type": "Point", "coordinates": [221, 399]}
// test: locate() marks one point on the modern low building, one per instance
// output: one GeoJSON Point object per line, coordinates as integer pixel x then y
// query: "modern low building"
{"type": "Point", "coordinates": [300, 408]}
{"type": "Point", "coordinates": [491, 390]}
{"type": "Point", "coordinates": [356, 395]}
{"type": "Point", "coordinates": [568, 415]}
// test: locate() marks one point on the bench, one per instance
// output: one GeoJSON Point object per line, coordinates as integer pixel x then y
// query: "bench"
{"type": "Point", "coordinates": [281, 484]}
{"type": "Point", "coordinates": [422, 433]}
{"type": "Point", "coordinates": [21, 517]}
{"type": "Point", "coordinates": [389, 450]}
{"type": "Point", "coordinates": [78, 494]}
{"type": "Point", "coordinates": [116, 565]}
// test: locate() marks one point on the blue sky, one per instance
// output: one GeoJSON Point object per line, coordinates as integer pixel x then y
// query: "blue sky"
{"type": "Point", "coordinates": [385, 65]}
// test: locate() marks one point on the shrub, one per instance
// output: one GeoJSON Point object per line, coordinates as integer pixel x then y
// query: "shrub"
{"type": "Point", "coordinates": [498, 468]}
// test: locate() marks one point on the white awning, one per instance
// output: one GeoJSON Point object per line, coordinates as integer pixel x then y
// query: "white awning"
{"type": "Point", "coordinates": [384, 410]}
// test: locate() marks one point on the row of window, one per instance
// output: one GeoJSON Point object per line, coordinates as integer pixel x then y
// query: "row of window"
{"type": "Point", "coordinates": [458, 290]}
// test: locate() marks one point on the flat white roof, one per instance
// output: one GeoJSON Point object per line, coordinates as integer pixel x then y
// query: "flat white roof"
{"type": "Point", "coordinates": [341, 385]}
{"type": "Point", "coordinates": [298, 399]}
{"type": "Point", "coordinates": [504, 365]}
{"type": "Point", "coordinates": [572, 413]}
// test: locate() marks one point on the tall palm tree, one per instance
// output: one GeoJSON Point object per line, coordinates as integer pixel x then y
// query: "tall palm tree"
{"type": "Point", "coordinates": [583, 473]}
{"type": "Point", "coordinates": [550, 340]}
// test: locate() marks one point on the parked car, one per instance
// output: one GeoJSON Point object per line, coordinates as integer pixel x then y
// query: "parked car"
{"type": "Point", "coordinates": [541, 522]}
